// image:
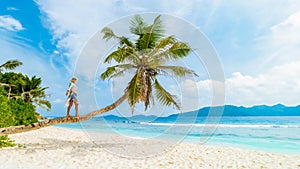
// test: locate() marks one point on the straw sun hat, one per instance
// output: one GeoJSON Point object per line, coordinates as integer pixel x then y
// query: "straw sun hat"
{"type": "Point", "coordinates": [73, 78]}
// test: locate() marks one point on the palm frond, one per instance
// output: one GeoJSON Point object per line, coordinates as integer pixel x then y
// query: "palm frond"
{"type": "Point", "coordinates": [155, 56]}
{"type": "Point", "coordinates": [118, 73]}
{"type": "Point", "coordinates": [11, 64]}
{"type": "Point", "coordinates": [45, 104]}
{"type": "Point", "coordinates": [108, 34]}
{"type": "Point", "coordinates": [121, 54]}
{"type": "Point", "coordinates": [177, 70]}
{"type": "Point", "coordinates": [167, 49]}
{"type": "Point", "coordinates": [114, 71]}
{"type": "Point", "coordinates": [125, 41]}
{"type": "Point", "coordinates": [175, 51]}
{"type": "Point", "coordinates": [150, 35]}
{"type": "Point", "coordinates": [110, 71]}
{"type": "Point", "coordinates": [164, 42]}
{"type": "Point", "coordinates": [137, 25]}
{"type": "Point", "coordinates": [134, 90]}
{"type": "Point", "coordinates": [164, 97]}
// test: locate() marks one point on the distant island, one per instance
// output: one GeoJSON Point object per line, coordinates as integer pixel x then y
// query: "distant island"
{"type": "Point", "coordinates": [261, 110]}
{"type": "Point", "coordinates": [231, 110]}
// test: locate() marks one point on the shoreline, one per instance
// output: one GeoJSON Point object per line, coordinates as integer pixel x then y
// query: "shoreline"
{"type": "Point", "coordinates": [187, 140]}
{"type": "Point", "coordinates": [58, 147]}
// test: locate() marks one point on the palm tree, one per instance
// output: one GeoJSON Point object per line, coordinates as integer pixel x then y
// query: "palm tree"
{"type": "Point", "coordinates": [147, 56]}
{"type": "Point", "coordinates": [20, 86]}
{"type": "Point", "coordinates": [10, 65]}
{"type": "Point", "coordinates": [34, 93]}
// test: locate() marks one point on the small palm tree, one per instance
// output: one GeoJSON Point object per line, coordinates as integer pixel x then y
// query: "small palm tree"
{"type": "Point", "coordinates": [147, 56]}
{"type": "Point", "coordinates": [10, 65]}
{"type": "Point", "coordinates": [34, 93]}
{"type": "Point", "coordinates": [20, 86]}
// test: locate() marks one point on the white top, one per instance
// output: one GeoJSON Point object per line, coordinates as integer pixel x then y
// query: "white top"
{"type": "Point", "coordinates": [73, 88]}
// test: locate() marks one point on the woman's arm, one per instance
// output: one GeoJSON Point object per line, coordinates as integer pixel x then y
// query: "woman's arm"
{"type": "Point", "coordinates": [69, 89]}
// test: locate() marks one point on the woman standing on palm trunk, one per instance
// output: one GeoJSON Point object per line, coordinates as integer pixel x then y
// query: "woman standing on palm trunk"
{"type": "Point", "coordinates": [72, 94]}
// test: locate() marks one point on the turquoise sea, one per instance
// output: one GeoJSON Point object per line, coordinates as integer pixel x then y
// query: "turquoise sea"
{"type": "Point", "coordinates": [275, 134]}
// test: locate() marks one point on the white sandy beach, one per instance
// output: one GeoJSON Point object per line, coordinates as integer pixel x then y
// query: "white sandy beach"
{"type": "Point", "coordinates": [54, 147]}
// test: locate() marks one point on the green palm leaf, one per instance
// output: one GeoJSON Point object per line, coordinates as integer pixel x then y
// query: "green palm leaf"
{"type": "Point", "coordinates": [164, 97]}
{"type": "Point", "coordinates": [10, 65]}
{"type": "Point", "coordinates": [150, 35]}
{"type": "Point", "coordinates": [108, 72]}
{"type": "Point", "coordinates": [137, 25]}
{"type": "Point", "coordinates": [108, 34]}
{"type": "Point", "coordinates": [117, 70]}
{"type": "Point", "coordinates": [177, 70]}
{"type": "Point", "coordinates": [125, 41]}
{"type": "Point", "coordinates": [175, 51]}
{"type": "Point", "coordinates": [45, 104]}
{"type": "Point", "coordinates": [134, 89]}
{"type": "Point", "coordinates": [162, 43]}
{"type": "Point", "coordinates": [121, 54]}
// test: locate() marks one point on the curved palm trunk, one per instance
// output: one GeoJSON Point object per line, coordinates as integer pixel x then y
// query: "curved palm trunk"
{"type": "Point", "coordinates": [61, 120]}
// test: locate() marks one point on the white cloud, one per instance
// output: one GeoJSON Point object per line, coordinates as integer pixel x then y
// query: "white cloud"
{"type": "Point", "coordinates": [190, 95]}
{"type": "Point", "coordinates": [281, 84]}
{"type": "Point", "coordinates": [58, 100]}
{"type": "Point", "coordinates": [201, 94]}
{"type": "Point", "coordinates": [10, 23]}
{"type": "Point", "coordinates": [281, 44]}
{"type": "Point", "coordinates": [12, 9]}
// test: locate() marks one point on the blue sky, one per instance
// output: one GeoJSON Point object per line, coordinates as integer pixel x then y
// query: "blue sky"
{"type": "Point", "coordinates": [257, 43]}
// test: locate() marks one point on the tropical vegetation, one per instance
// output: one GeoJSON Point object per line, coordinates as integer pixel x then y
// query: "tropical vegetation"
{"type": "Point", "coordinates": [19, 96]}
{"type": "Point", "coordinates": [6, 142]}
{"type": "Point", "coordinates": [10, 65]}
{"type": "Point", "coordinates": [28, 89]}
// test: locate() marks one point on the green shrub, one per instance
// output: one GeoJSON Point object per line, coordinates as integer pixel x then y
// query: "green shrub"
{"type": "Point", "coordinates": [24, 112]}
{"type": "Point", "coordinates": [2, 91]}
{"type": "Point", "coordinates": [19, 95]}
{"type": "Point", "coordinates": [16, 112]}
{"type": "Point", "coordinates": [7, 117]}
{"type": "Point", "coordinates": [6, 142]}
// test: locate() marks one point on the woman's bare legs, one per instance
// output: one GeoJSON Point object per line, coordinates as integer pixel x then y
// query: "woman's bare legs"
{"type": "Point", "coordinates": [69, 108]}
{"type": "Point", "coordinates": [76, 107]}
